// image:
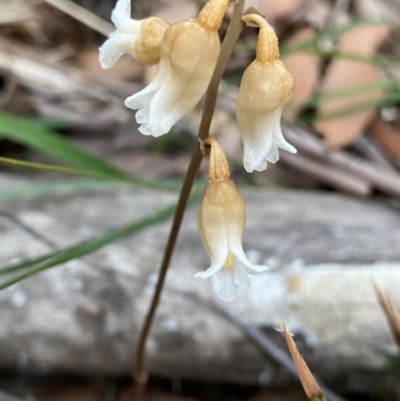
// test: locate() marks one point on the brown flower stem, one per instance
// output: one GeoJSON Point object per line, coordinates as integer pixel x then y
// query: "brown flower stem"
{"type": "Point", "coordinates": [233, 33]}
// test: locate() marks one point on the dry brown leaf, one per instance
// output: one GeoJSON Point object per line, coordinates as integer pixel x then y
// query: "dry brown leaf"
{"type": "Point", "coordinates": [126, 67]}
{"type": "Point", "coordinates": [306, 377]}
{"type": "Point", "coordinates": [391, 309]}
{"type": "Point", "coordinates": [177, 10]}
{"type": "Point", "coordinates": [69, 392]}
{"type": "Point", "coordinates": [305, 70]}
{"type": "Point", "coordinates": [346, 74]}
{"type": "Point", "coordinates": [387, 138]}
{"type": "Point", "coordinates": [275, 9]}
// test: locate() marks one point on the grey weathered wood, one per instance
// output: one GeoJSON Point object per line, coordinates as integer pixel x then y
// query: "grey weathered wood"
{"type": "Point", "coordinates": [84, 316]}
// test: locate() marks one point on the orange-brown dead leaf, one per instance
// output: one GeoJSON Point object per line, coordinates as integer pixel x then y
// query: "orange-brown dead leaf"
{"type": "Point", "coordinates": [276, 9]}
{"type": "Point", "coordinates": [69, 392]}
{"type": "Point", "coordinates": [391, 309]}
{"type": "Point", "coordinates": [126, 68]}
{"type": "Point", "coordinates": [345, 74]}
{"type": "Point", "coordinates": [387, 138]}
{"type": "Point", "coordinates": [306, 377]}
{"type": "Point", "coordinates": [305, 70]}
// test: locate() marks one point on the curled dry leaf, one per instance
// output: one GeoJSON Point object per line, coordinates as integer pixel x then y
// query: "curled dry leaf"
{"type": "Point", "coordinates": [346, 74]}
{"type": "Point", "coordinates": [305, 70]}
{"type": "Point", "coordinates": [306, 377]}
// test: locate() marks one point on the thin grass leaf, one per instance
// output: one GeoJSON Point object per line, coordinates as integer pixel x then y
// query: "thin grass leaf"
{"type": "Point", "coordinates": [328, 96]}
{"type": "Point", "coordinates": [37, 265]}
{"type": "Point", "coordinates": [86, 173]}
{"type": "Point", "coordinates": [6, 161]}
{"type": "Point", "coordinates": [389, 100]}
{"type": "Point", "coordinates": [34, 136]}
{"type": "Point", "coordinates": [27, 264]}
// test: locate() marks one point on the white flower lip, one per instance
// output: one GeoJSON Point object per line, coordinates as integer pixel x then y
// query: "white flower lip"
{"type": "Point", "coordinates": [221, 221]}
{"type": "Point", "coordinates": [188, 55]}
{"type": "Point", "coordinates": [262, 138]}
{"type": "Point", "coordinates": [122, 40]}
{"type": "Point", "coordinates": [225, 280]}
{"type": "Point", "coordinates": [266, 87]}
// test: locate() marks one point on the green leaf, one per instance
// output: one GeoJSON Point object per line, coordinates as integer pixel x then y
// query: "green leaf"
{"type": "Point", "coordinates": [37, 265]}
{"type": "Point", "coordinates": [35, 136]}
{"type": "Point", "coordinates": [88, 173]}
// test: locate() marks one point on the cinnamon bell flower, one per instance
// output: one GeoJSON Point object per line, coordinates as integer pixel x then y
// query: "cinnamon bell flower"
{"type": "Point", "coordinates": [221, 222]}
{"type": "Point", "coordinates": [139, 38]}
{"type": "Point", "coordinates": [188, 54]}
{"type": "Point", "coordinates": [266, 87]}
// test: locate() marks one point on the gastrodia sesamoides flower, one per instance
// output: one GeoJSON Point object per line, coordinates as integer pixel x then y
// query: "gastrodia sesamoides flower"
{"type": "Point", "coordinates": [188, 55]}
{"type": "Point", "coordinates": [221, 222]}
{"type": "Point", "coordinates": [139, 38]}
{"type": "Point", "coordinates": [266, 87]}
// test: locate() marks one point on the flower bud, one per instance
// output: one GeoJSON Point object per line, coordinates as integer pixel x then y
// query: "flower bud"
{"type": "Point", "coordinates": [147, 46]}
{"type": "Point", "coordinates": [221, 222]}
{"type": "Point", "coordinates": [188, 54]}
{"type": "Point", "coordinates": [266, 87]}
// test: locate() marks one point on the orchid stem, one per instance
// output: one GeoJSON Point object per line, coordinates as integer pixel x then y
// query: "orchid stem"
{"type": "Point", "coordinates": [235, 27]}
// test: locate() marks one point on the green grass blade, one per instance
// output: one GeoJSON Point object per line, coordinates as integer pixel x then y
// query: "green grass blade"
{"type": "Point", "coordinates": [27, 264]}
{"type": "Point", "coordinates": [360, 107]}
{"type": "Point", "coordinates": [328, 96]}
{"type": "Point", "coordinates": [34, 136]}
{"type": "Point", "coordinates": [86, 173]}
{"type": "Point", "coordinates": [42, 263]}
{"type": "Point", "coordinates": [6, 161]}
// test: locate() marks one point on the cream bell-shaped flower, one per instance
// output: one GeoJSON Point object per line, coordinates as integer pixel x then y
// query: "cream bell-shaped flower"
{"type": "Point", "coordinates": [266, 87]}
{"type": "Point", "coordinates": [139, 38]}
{"type": "Point", "coordinates": [221, 222]}
{"type": "Point", "coordinates": [188, 55]}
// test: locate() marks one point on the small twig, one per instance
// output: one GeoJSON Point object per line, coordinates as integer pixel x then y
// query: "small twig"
{"type": "Point", "coordinates": [387, 180]}
{"type": "Point", "coordinates": [83, 15]}
{"type": "Point", "coordinates": [233, 32]}
{"type": "Point", "coordinates": [31, 231]}
{"type": "Point", "coordinates": [343, 180]}
{"type": "Point", "coordinates": [364, 145]}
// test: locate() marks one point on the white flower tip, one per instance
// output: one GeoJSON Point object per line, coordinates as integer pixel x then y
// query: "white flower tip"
{"type": "Point", "coordinates": [251, 165]}
{"type": "Point", "coordinates": [121, 13]}
{"type": "Point", "coordinates": [202, 275]}
{"type": "Point", "coordinates": [108, 55]}
{"type": "Point", "coordinates": [223, 285]}
{"type": "Point", "coordinates": [258, 269]}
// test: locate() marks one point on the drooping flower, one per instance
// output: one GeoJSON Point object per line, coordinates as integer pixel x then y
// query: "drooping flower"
{"type": "Point", "coordinates": [139, 38]}
{"type": "Point", "coordinates": [221, 222]}
{"type": "Point", "coordinates": [266, 87]}
{"type": "Point", "coordinates": [188, 55]}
